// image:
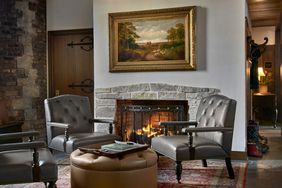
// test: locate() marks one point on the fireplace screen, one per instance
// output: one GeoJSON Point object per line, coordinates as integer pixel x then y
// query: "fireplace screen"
{"type": "Point", "coordinates": [140, 122]}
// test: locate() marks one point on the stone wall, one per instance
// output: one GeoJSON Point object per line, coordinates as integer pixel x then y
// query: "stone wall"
{"type": "Point", "coordinates": [105, 98]}
{"type": "Point", "coordinates": [23, 61]}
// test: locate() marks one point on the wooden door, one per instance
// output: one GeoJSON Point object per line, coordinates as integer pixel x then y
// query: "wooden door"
{"type": "Point", "coordinates": [71, 63]}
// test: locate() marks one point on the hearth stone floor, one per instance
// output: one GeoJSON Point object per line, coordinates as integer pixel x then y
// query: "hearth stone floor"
{"type": "Point", "coordinates": [265, 172]}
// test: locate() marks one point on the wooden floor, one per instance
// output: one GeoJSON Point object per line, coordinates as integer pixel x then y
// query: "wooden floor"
{"type": "Point", "coordinates": [266, 172]}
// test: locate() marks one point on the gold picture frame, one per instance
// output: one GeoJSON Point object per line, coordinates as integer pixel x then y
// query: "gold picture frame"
{"type": "Point", "coordinates": [153, 40]}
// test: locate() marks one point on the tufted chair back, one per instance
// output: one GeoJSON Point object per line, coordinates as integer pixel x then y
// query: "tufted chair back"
{"type": "Point", "coordinates": [71, 109]}
{"type": "Point", "coordinates": [217, 111]}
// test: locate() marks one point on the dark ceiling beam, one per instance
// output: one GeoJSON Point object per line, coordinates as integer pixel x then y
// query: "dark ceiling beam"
{"type": "Point", "coordinates": [265, 13]}
{"type": "Point", "coordinates": [262, 1]}
{"type": "Point", "coordinates": [264, 7]}
{"type": "Point", "coordinates": [264, 23]}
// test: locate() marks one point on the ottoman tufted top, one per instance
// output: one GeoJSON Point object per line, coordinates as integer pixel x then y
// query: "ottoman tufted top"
{"type": "Point", "coordinates": [133, 161]}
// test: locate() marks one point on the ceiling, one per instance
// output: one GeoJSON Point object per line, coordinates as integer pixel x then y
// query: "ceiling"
{"type": "Point", "coordinates": [265, 12]}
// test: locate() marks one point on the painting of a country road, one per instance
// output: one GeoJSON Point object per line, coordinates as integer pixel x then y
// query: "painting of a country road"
{"type": "Point", "coordinates": [152, 40]}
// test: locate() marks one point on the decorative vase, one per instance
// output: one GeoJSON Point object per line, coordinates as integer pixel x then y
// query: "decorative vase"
{"type": "Point", "coordinates": [263, 88]}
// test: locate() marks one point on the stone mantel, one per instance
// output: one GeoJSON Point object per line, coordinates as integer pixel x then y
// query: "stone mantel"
{"type": "Point", "coordinates": [105, 98]}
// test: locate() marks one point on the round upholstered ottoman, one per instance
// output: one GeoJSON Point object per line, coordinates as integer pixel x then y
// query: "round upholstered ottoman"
{"type": "Point", "coordinates": [135, 170]}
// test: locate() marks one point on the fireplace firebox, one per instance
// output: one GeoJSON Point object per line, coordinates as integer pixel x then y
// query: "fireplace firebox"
{"type": "Point", "coordinates": [138, 120]}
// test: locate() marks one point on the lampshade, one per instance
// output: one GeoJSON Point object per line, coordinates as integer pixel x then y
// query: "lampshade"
{"type": "Point", "coordinates": [260, 72]}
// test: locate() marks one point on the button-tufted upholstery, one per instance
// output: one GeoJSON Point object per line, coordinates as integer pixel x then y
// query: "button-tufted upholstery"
{"type": "Point", "coordinates": [212, 136]}
{"type": "Point", "coordinates": [217, 111]}
{"type": "Point", "coordinates": [135, 170]}
{"type": "Point", "coordinates": [69, 125]}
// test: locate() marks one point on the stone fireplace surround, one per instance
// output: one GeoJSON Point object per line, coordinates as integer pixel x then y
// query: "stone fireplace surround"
{"type": "Point", "coordinates": [105, 98]}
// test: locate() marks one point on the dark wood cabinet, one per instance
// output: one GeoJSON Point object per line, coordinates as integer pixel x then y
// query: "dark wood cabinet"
{"type": "Point", "coordinates": [265, 108]}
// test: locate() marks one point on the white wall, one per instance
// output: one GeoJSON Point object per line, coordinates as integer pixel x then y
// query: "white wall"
{"type": "Point", "coordinates": [258, 34]}
{"type": "Point", "coordinates": [220, 47]}
{"type": "Point", "coordinates": [69, 14]}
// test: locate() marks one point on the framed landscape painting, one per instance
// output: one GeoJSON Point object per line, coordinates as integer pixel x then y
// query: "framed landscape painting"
{"type": "Point", "coordinates": [152, 40]}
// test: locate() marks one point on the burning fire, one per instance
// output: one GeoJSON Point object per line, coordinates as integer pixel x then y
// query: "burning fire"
{"type": "Point", "coordinates": [139, 132]}
{"type": "Point", "coordinates": [147, 130]}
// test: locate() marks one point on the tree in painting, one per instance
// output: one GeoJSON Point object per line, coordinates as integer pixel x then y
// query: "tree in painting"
{"type": "Point", "coordinates": [127, 41]}
{"type": "Point", "coordinates": [174, 48]}
{"type": "Point", "coordinates": [176, 34]}
{"type": "Point", "coordinates": [152, 40]}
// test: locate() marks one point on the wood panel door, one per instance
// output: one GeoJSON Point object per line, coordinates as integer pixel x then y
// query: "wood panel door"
{"type": "Point", "coordinates": [71, 63]}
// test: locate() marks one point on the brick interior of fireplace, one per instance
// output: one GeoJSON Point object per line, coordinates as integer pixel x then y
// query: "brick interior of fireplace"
{"type": "Point", "coordinates": [132, 116]}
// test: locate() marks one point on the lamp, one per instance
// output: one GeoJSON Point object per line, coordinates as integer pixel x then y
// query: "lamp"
{"type": "Point", "coordinates": [260, 73]}
{"type": "Point", "coordinates": [263, 88]}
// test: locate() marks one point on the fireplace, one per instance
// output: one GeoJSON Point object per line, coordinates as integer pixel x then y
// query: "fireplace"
{"type": "Point", "coordinates": [138, 120]}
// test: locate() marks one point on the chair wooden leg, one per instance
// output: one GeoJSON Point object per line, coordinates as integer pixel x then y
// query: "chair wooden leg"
{"type": "Point", "coordinates": [204, 162]}
{"type": "Point", "coordinates": [229, 167]}
{"type": "Point", "coordinates": [158, 154]}
{"type": "Point", "coordinates": [158, 157]}
{"type": "Point", "coordinates": [178, 169]}
{"type": "Point", "coordinates": [52, 184]}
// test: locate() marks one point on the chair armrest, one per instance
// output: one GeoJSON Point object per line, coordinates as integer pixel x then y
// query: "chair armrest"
{"type": "Point", "coordinates": [27, 146]}
{"type": "Point", "coordinates": [22, 145]}
{"type": "Point", "coordinates": [109, 121]}
{"type": "Point", "coordinates": [58, 125]}
{"type": "Point", "coordinates": [7, 136]}
{"type": "Point", "coordinates": [166, 124]}
{"type": "Point", "coordinates": [208, 129]}
{"type": "Point", "coordinates": [178, 123]}
{"type": "Point", "coordinates": [101, 120]}
{"type": "Point", "coordinates": [204, 129]}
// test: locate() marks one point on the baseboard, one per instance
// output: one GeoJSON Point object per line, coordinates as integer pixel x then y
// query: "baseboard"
{"type": "Point", "coordinates": [239, 155]}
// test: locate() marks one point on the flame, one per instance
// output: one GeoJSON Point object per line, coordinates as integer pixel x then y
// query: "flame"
{"type": "Point", "coordinates": [149, 130]}
{"type": "Point", "coordinates": [139, 132]}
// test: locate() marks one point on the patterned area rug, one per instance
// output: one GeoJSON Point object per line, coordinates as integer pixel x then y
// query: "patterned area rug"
{"type": "Point", "coordinates": [193, 175]}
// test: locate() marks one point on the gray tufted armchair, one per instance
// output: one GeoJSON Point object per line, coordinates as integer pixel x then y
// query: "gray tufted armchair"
{"type": "Point", "coordinates": [26, 162]}
{"type": "Point", "coordinates": [209, 138]}
{"type": "Point", "coordinates": [70, 124]}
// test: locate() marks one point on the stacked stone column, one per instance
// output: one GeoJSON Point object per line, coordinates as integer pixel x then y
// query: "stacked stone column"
{"type": "Point", "coordinates": [23, 61]}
